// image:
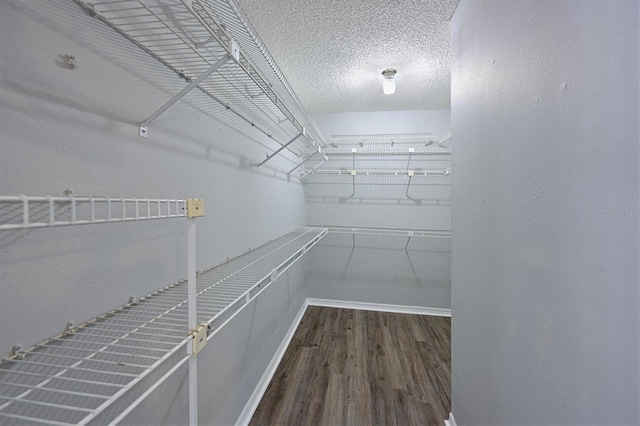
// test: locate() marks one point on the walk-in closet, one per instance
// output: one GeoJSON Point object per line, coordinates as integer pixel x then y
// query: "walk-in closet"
{"type": "Point", "coordinates": [218, 212]}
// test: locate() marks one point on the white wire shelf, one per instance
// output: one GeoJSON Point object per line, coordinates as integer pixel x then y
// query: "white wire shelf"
{"type": "Point", "coordinates": [396, 150]}
{"type": "Point", "coordinates": [194, 38]}
{"type": "Point", "coordinates": [412, 166]}
{"type": "Point", "coordinates": [80, 376]}
{"type": "Point", "coordinates": [415, 173]}
{"type": "Point", "coordinates": [396, 232]}
{"type": "Point", "coordinates": [242, 30]}
{"type": "Point", "coordinates": [388, 140]}
{"type": "Point", "coordinates": [24, 212]}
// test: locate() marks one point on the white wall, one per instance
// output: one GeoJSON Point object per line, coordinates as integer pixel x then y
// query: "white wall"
{"type": "Point", "coordinates": [545, 323]}
{"type": "Point", "coordinates": [77, 129]}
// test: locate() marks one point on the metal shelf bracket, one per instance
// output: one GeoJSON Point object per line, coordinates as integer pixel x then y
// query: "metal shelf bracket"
{"type": "Point", "coordinates": [282, 147]}
{"type": "Point", "coordinates": [198, 338]}
{"type": "Point", "coordinates": [304, 161]}
{"type": "Point", "coordinates": [142, 129]}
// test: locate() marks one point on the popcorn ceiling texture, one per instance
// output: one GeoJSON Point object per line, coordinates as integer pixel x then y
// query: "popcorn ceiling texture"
{"type": "Point", "coordinates": [333, 52]}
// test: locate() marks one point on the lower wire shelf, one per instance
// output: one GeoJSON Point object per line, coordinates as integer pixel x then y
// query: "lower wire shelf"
{"type": "Point", "coordinates": [79, 376]}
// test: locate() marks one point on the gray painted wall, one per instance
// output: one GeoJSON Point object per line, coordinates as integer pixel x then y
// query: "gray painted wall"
{"type": "Point", "coordinates": [384, 122]}
{"type": "Point", "coordinates": [77, 129]}
{"type": "Point", "coordinates": [545, 274]}
{"type": "Point", "coordinates": [377, 269]}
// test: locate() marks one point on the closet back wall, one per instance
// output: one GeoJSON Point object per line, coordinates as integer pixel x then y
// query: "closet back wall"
{"type": "Point", "coordinates": [387, 213]}
{"type": "Point", "coordinates": [77, 129]}
{"type": "Point", "coordinates": [382, 269]}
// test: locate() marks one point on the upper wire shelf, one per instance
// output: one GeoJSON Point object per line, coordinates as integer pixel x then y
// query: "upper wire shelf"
{"type": "Point", "coordinates": [375, 150]}
{"type": "Point", "coordinates": [193, 38]}
{"type": "Point", "coordinates": [406, 166]}
{"type": "Point", "coordinates": [383, 140]}
{"type": "Point", "coordinates": [78, 376]}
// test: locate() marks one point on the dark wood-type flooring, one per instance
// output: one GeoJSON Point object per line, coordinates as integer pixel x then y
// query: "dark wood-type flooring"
{"type": "Point", "coordinates": [347, 367]}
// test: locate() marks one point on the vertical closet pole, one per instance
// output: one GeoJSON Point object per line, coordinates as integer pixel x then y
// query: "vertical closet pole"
{"type": "Point", "coordinates": [195, 209]}
{"type": "Point", "coordinates": [193, 322]}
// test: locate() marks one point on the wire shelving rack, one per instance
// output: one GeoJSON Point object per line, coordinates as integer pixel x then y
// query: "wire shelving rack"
{"type": "Point", "coordinates": [212, 46]}
{"type": "Point", "coordinates": [412, 167]}
{"type": "Point", "coordinates": [81, 375]}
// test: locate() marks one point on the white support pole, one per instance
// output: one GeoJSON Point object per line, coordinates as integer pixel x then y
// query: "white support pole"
{"type": "Point", "coordinates": [191, 300]}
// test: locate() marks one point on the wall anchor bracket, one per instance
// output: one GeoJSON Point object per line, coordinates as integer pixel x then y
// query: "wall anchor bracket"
{"type": "Point", "coordinates": [195, 207]}
{"type": "Point", "coordinates": [17, 351]}
{"type": "Point", "coordinates": [198, 338]}
{"type": "Point", "coordinates": [281, 148]}
{"type": "Point", "coordinates": [142, 129]}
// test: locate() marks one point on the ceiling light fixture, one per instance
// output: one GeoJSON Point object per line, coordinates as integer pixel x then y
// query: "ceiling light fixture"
{"type": "Point", "coordinates": [389, 81]}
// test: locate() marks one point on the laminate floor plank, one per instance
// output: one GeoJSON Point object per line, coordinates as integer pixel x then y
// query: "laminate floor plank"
{"type": "Point", "coordinates": [350, 367]}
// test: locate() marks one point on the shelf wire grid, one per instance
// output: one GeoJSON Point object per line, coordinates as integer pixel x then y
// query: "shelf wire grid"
{"type": "Point", "coordinates": [411, 168]}
{"type": "Point", "coordinates": [397, 232]}
{"type": "Point", "coordinates": [380, 140]}
{"type": "Point", "coordinates": [78, 376]}
{"type": "Point", "coordinates": [412, 154]}
{"type": "Point", "coordinates": [241, 28]}
{"type": "Point", "coordinates": [396, 150]}
{"type": "Point", "coordinates": [189, 40]}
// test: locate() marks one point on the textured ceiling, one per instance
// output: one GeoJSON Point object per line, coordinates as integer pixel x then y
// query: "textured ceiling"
{"type": "Point", "coordinates": [334, 51]}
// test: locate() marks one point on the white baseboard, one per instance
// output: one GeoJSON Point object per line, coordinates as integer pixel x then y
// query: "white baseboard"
{"type": "Point", "coordinates": [251, 405]}
{"type": "Point", "coordinates": [381, 307]}
{"type": "Point", "coordinates": [261, 387]}
{"type": "Point", "coordinates": [450, 421]}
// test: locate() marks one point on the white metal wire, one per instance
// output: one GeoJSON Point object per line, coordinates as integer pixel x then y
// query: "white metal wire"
{"type": "Point", "coordinates": [395, 150]}
{"type": "Point", "coordinates": [189, 36]}
{"type": "Point", "coordinates": [442, 172]}
{"type": "Point", "coordinates": [80, 376]}
{"type": "Point", "coordinates": [24, 212]}
{"type": "Point", "coordinates": [398, 232]}
{"type": "Point", "coordinates": [381, 140]}
{"type": "Point", "coordinates": [380, 168]}
{"type": "Point", "coordinates": [239, 25]}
